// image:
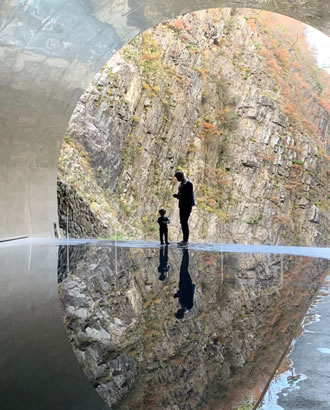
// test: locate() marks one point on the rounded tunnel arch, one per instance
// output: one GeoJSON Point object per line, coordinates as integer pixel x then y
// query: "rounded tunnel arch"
{"type": "Point", "coordinates": [50, 51]}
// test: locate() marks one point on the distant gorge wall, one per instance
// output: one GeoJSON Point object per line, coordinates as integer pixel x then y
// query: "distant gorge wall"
{"type": "Point", "coordinates": [200, 92]}
{"type": "Point", "coordinates": [75, 215]}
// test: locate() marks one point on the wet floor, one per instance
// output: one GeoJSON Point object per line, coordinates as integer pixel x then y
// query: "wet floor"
{"type": "Point", "coordinates": [304, 382]}
{"type": "Point", "coordinates": [201, 327]}
{"type": "Point", "coordinates": [37, 367]}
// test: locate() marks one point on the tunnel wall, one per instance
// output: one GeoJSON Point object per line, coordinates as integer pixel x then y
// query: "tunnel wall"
{"type": "Point", "coordinates": [49, 52]}
{"type": "Point", "coordinates": [38, 368]}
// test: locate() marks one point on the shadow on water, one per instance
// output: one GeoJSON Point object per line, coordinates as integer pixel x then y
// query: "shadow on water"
{"type": "Point", "coordinates": [214, 345]}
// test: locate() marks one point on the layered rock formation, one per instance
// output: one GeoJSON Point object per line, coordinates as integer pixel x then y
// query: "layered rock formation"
{"type": "Point", "coordinates": [229, 99]}
{"type": "Point", "coordinates": [76, 216]}
{"type": "Point", "coordinates": [121, 320]}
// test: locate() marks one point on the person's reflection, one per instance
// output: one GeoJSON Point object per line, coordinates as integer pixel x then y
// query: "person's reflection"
{"type": "Point", "coordinates": [163, 267]}
{"type": "Point", "coordinates": [186, 287]}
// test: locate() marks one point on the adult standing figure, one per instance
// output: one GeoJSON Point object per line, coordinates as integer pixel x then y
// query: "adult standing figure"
{"type": "Point", "coordinates": [186, 287]}
{"type": "Point", "coordinates": [185, 196]}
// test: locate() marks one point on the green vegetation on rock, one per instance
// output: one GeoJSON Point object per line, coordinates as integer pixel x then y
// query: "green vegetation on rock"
{"type": "Point", "coordinates": [236, 100]}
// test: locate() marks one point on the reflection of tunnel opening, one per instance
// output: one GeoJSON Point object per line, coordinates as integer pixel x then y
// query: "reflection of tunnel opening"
{"type": "Point", "coordinates": [210, 203]}
{"type": "Point", "coordinates": [150, 301]}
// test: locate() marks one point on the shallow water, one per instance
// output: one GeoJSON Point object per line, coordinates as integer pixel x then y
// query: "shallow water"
{"type": "Point", "coordinates": [305, 383]}
{"type": "Point", "coordinates": [240, 313]}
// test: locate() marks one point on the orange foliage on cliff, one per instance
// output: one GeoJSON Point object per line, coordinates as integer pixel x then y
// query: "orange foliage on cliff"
{"type": "Point", "coordinates": [177, 24]}
{"type": "Point", "coordinates": [303, 86]}
{"type": "Point", "coordinates": [284, 56]}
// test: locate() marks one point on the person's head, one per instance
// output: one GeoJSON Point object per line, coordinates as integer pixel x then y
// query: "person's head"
{"type": "Point", "coordinates": [163, 276]}
{"type": "Point", "coordinates": [179, 175]}
{"type": "Point", "coordinates": [162, 212]}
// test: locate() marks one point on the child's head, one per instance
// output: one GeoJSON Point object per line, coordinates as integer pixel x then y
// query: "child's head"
{"type": "Point", "coordinates": [163, 276]}
{"type": "Point", "coordinates": [162, 212]}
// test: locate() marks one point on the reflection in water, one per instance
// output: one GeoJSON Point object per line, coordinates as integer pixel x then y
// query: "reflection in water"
{"type": "Point", "coordinates": [302, 379]}
{"type": "Point", "coordinates": [186, 287]}
{"type": "Point", "coordinates": [119, 316]}
{"type": "Point", "coordinates": [38, 369]}
{"type": "Point", "coordinates": [286, 379]}
{"type": "Point", "coordinates": [163, 267]}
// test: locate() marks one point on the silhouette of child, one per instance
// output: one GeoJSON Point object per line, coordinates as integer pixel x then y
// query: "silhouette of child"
{"type": "Point", "coordinates": [163, 226]}
{"type": "Point", "coordinates": [163, 267]}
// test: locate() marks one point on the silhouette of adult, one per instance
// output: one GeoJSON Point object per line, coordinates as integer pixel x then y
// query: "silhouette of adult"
{"type": "Point", "coordinates": [185, 196]}
{"type": "Point", "coordinates": [186, 287]}
{"type": "Point", "coordinates": [163, 267]}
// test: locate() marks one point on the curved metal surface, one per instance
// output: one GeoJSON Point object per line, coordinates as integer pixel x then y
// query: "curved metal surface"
{"type": "Point", "coordinates": [38, 368]}
{"type": "Point", "coordinates": [49, 52]}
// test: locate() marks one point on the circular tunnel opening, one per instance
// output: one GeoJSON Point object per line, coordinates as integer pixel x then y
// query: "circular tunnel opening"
{"type": "Point", "coordinates": [234, 98]}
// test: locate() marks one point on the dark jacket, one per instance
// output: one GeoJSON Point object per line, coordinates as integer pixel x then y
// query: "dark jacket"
{"type": "Point", "coordinates": [163, 223]}
{"type": "Point", "coordinates": [186, 195]}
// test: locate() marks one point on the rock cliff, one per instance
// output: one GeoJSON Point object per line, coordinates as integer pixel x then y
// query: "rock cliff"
{"type": "Point", "coordinates": [234, 99]}
{"type": "Point", "coordinates": [120, 314]}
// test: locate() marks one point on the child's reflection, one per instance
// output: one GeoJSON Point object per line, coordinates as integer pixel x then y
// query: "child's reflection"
{"type": "Point", "coordinates": [163, 267]}
{"type": "Point", "coordinates": [186, 287]}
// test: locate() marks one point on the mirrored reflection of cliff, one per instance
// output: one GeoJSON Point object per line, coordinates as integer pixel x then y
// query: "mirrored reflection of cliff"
{"type": "Point", "coordinates": [173, 329]}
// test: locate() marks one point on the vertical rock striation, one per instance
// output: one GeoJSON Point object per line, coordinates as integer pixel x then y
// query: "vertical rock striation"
{"type": "Point", "coordinates": [223, 95]}
{"type": "Point", "coordinates": [121, 321]}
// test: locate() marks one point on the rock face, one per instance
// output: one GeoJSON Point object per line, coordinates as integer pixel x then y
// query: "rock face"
{"type": "Point", "coordinates": [76, 216]}
{"type": "Point", "coordinates": [222, 95]}
{"type": "Point", "coordinates": [120, 314]}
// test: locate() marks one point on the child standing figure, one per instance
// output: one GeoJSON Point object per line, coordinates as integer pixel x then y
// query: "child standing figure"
{"type": "Point", "coordinates": [163, 226]}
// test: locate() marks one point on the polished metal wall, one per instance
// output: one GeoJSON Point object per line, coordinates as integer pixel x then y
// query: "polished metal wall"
{"type": "Point", "coordinates": [49, 51]}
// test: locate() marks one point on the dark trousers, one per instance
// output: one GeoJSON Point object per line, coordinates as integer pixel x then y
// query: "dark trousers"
{"type": "Point", "coordinates": [163, 233]}
{"type": "Point", "coordinates": [184, 216]}
{"type": "Point", "coordinates": [186, 287]}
